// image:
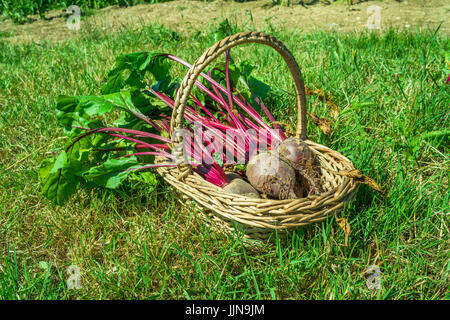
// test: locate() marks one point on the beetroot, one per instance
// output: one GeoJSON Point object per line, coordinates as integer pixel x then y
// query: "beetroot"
{"type": "Point", "coordinates": [300, 156]}
{"type": "Point", "coordinates": [241, 187]}
{"type": "Point", "coordinates": [233, 175]}
{"type": "Point", "coordinates": [272, 176]}
{"type": "Point", "coordinates": [295, 152]}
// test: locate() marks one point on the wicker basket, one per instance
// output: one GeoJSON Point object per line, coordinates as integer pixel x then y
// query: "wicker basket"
{"type": "Point", "coordinates": [258, 218]}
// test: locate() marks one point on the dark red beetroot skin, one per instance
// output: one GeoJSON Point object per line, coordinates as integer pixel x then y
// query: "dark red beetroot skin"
{"type": "Point", "coordinates": [299, 155]}
{"type": "Point", "coordinates": [272, 176]}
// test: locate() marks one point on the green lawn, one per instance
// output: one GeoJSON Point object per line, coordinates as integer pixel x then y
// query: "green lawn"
{"type": "Point", "coordinates": [139, 242]}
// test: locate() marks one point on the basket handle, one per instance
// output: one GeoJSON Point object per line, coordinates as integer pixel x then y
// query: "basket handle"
{"type": "Point", "coordinates": [215, 51]}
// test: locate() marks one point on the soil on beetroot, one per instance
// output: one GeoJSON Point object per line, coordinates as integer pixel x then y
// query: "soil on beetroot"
{"type": "Point", "coordinates": [186, 16]}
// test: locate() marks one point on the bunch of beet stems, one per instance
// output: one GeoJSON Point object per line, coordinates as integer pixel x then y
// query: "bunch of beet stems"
{"type": "Point", "coordinates": [199, 153]}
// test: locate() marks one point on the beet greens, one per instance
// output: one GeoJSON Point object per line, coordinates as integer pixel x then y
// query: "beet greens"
{"type": "Point", "coordinates": [121, 131]}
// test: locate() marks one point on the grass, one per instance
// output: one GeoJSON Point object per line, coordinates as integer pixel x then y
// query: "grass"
{"type": "Point", "coordinates": [19, 11]}
{"type": "Point", "coordinates": [141, 243]}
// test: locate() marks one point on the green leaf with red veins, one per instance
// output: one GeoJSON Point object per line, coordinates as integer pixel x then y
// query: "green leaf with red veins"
{"type": "Point", "coordinates": [112, 172]}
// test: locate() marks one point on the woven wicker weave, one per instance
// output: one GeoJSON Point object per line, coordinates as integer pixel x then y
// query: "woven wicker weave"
{"type": "Point", "coordinates": [258, 218]}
